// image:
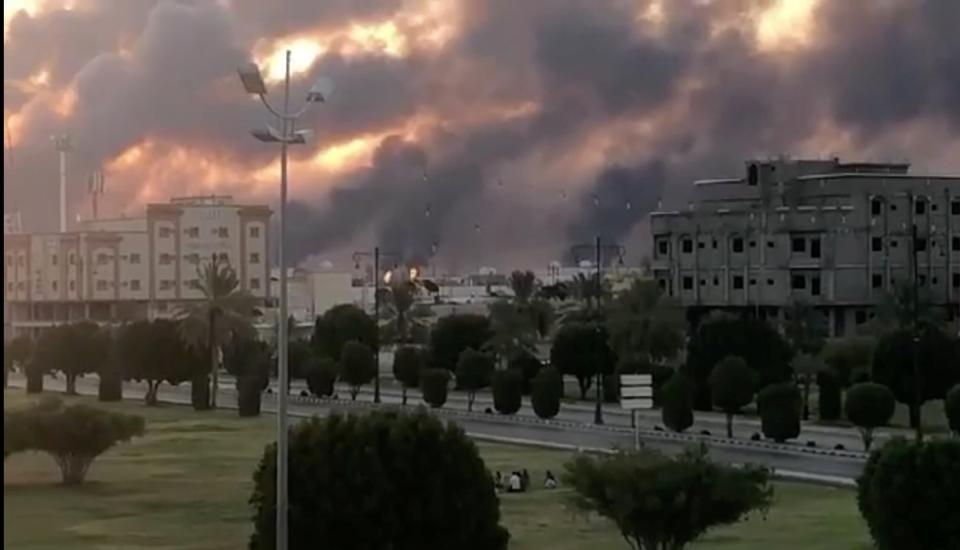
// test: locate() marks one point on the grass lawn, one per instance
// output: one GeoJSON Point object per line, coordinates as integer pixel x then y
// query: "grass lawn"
{"type": "Point", "coordinates": [185, 486]}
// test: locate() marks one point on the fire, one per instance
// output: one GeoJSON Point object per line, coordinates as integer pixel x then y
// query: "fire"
{"type": "Point", "coordinates": [383, 37]}
{"type": "Point", "coordinates": [786, 24]}
{"type": "Point", "coordinates": [346, 154]}
{"type": "Point", "coordinates": [303, 52]}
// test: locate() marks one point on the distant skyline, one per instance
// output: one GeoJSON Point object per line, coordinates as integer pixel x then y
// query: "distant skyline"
{"type": "Point", "coordinates": [499, 130]}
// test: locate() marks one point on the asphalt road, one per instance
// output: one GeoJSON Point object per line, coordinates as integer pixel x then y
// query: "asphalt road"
{"type": "Point", "coordinates": [585, 436]}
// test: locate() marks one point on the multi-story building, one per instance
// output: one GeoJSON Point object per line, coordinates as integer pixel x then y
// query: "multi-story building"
{"type": "Point", "coordinates": [132, 268]}
{"type": "Point", "coordinates": [834, 234]}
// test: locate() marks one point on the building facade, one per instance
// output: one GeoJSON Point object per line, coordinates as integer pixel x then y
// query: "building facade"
{"type": "Point", "coordinates": [834, 234]}
{"type": "Point", "coordinates": [132, 268]}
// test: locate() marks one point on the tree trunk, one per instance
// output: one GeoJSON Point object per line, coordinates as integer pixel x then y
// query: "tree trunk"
{"type": "Point", "coordinates": [404, 394]}
{"type": "Point", "coordinates": [71, 384]}
{"type": "Point", "coordinates": [470, 397]}
{"type": "Point", "coordinates": [730, 425]}
{"type": "Point", "coordinates": [214, 374]}
{"type": "Point", "coordinates": [354, 390]}
{"type": "Point", "coordinates": [867, 435]}
{"type": "Point", "coordinates": [73, 469]}
{"type": "Point", "coordinates": [151, 396]}
{"type": "Point", "coordinates": [200, 392]}
{"type": "Point", "coordinates": [806, 400]}
{"type": "Point", "coordinates": [34, 381]}
{"type": "Point", "coordinates": [584, 383]}
{"type": "Point", "coordinates": [914, 415]}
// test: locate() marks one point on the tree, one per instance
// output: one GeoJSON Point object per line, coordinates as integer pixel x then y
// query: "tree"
{"type": "Point", "coordinates": [779, 406]}
{"type": "Point", "coordinates": [677, 399]}
{"type": "Point", "coordinates": [664, 503]}
{"type": "Point", "coordinates": [405, 465]}
{"type": "Point", "coordinates": [74, 350]}
{"type": "Point", "coordinates": [831, 395]}
{"type": "Point", "coordinates": [110, 387]}
{"type": "Point", "coordinates": [805, 327]}
{"type": "Point", "coordinates": [433, 386]}
{"type": "Point", "coordinates": [909, 495]}
{"type": "Point", "coordinates": [512, 331]}
{"type": "Point", "coordinates": [524, 286]}
{"type": "Point", "coordinates": [547, 387]}
{"type": "Point", "coordinates": [250, 362]}
{"type": "Point", "coordinates": [642, 321]}
{"type": "Point", "coordinates": [732, 385]}
{"type": "Point", "coordinates": [408, 361]}
{"type": "Point", "coordinates": [453, 334]}
{"type": "Point", "coordinates": [358, 366]}
{"type": "Point", "coordinates": [951, 405]}
{"type": "Point", "coordinates": [507, 391]}
{"type": "Point", "coordinates": [938, 356]}
{"type": "Point", "coordinates": [806, 369]}
{"type": "Point", "coordinates": [299, 353]}
{"type": "Point", "coordinates": [474, 372]}
{"type": "Point", "coordinates": [849, 358]}
{"type": "Point", "coordinates": [869, 406]}
{"type": "Point", "coordinates": [401, 323]}
{"type": "Point", "coordinates": [543, 316]}
{"type": "Point", "coordinates": [224, 311]}
{"type": "Point", "coordinates": [339, 325]}
{"type": "Point", "coordinates": [154, 352]}
{"type": "Point", "coordinates": [75, 435]}
{"type": "Point", "coordinates": [528, 366]}
{"type": "Point", "coordinates": [581, 350]}
{"type": "Point", "coordinates": [16, 353]}
{"type": "Point", "coordinates": [321, 375]}
{"type": "Point", "coordinates": [755, 341]}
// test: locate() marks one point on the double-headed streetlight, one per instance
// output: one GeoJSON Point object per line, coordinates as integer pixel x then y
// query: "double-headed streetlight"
{"type": "Point", "coordinates": [376, 255]}
{"type": "Point", "coordinates": [287, 134]}
{"type": "Point", "coordinates": [600, 250]}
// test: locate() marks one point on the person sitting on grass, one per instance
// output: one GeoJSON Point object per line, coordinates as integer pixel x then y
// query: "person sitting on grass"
{"type": "Point", "coordinates": [550, 482]}
{"type": "Point", "coordinates": [525, 479]}
{"type": "Point", "coordinates": [516, 483]}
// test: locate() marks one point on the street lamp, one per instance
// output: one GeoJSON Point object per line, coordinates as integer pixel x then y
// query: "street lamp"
{"type": "Point", "coordinates": [288, 134]}
{"type": "Point", "coordinates": [600, 251]}
{"type": "Point", "coordinates": [376, 255]}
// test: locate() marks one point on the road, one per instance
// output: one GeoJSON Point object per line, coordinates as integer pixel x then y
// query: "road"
{"type": "Point", "coordinates": [790, 463]}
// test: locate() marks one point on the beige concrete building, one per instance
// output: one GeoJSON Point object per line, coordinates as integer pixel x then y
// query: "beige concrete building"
{"type": "Point", "coordinates": [836, 234]}
{"type": "Point", "coordinates": [132, 268]}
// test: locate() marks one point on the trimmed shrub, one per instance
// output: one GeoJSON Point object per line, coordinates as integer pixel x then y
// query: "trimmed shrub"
{"type": "Point", "coordinates": [358, 366]}
{"type": "Point", "coordinates": [869, 406]}
{"type": "Point", "coordinates": [111, 382]}
{"type": "Point", "coordinates": [952, 408]}
{"type": "Point", "coordinates": [909, 495]}
{"type": "Point", "coordinates": [611, 388]}
{"type": "Point", "coordinates": [508, 391]}
{"type": "Point", "coordinates": [547, 389]}
{"type": "Point", "coordinates": [677, 398]}
{"type": "Point", "coordinates": [528, 365]}
{"type": "Point", "coordinates": [200, 392]}
{"type": "Point", "coordinates": [830, 404]}
{"type": "Point", "coordinates": [321, 375]}
{"type": "Point", "coordinates": [408, 361]}
{"type": "Point", "coordinates": [433, 386]}
{"type": "Point", "coordinates": [474, 371]}
{"type": "Point", "coordinates": [405, 466]}
{"type": "Point", "coordinates": [732, 384]}
{"type": "Point", "coordinates": [780, 407]}
{"type": "Point", "coordinates": [249, 389]}
{"type": "Point", "coordinates": [34, 375]}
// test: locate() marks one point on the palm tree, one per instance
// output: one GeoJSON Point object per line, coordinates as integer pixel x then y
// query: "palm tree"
{"type": "Point", "coordinates": [514, 332]}
{"type": "Point", "coordinates": [224, 311]}
{"type": "Point", "coordinates": [524, 285]}
{"type": "Point", "coordinates": [398, 298]}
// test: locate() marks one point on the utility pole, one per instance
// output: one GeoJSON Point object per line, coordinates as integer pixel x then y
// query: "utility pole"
{"type": "Point", "coordinates": [917, 374]}
{"type": "Point", "coordinates": [95, 188]}
{"type": "Point", "coordinates": [377, 253]}
{"type": "Point", "coordinates": [62, 145]}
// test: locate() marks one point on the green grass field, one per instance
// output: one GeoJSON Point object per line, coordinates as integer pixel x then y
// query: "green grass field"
{"type": "Point", "coordinates": [185, 486]}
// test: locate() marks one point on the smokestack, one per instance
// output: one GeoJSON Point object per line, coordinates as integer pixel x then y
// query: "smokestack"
{"type": "Point", "coordinates": [62, 144]}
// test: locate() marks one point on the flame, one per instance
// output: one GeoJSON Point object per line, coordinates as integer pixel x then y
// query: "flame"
{"type": "Point", "coordinates": [303, 52]}
{"type": "Point", "coordinates": [786, 24]}
{"type": "Point", "coordinates": [346, 154]}
{"type": "Point", "coordinates": [382, 38]}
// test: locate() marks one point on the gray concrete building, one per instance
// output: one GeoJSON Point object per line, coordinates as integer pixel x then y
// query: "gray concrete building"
{"type": "Point", "coordinates": [838, 235]}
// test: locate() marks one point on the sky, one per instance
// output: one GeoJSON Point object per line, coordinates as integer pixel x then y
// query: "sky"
{"type": "Point", "coordinates": [467, 132]}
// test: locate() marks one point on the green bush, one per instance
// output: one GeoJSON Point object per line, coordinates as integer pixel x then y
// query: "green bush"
{"type": "Point", "coordinates": [455, 333]}
{"type": "Point", "coordinates": [408, 361]}
{"type": "Point", "coordinates": [909, 495]}
{"type": "Point", "coordinates": [581, 350]}
{"type": "Point", "coordinates": [358, 366]}
{"type": "Point", "coordinates": [829, 406]}
{"type": "Point", "coordinates": [677, 399]}
{"type": "Point", "coordinates": [869, 406]}
{"type": "Point", "coordinates": [433, 386]}
{"type": "Point", "coordinates": [657, 501]}
{"type": "Point", "coordinates": [474, 372]}
{"type": "Point", "coordinates": [34, 373]}
{"type": "Point", "coordinates": [74, 436]}
{"type": "Point", "coordinates": [528, 365]}
{"type": "Point", "coordinates": [321, 375]}
{"type": "Point", "coordinates": [780, 406]}
{"type": "Point", "coordinates": [952, 409]}
{"type": "Point", "coordinates": [611, 388]}
{"type": "Point", "coordinates": [200, 392]}
{"type": "Point", "coordinates": [423, 484]}
{"type": "Point", "coordinates": [249, 390]}
{"type": "Point", "coordinates": [507, 391]}
{"type": "Point", "coordinates": [546, 391]}
{"type": "Point", "coordinates": [732, 384]}
{"type": "Point", "coordinates": [111, 382]}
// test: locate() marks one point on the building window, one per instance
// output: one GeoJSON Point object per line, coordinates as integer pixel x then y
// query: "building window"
{"type": "Point", "coordinates": [921, 244]}
{"type": "Point", "coordinates": [193, 258]}
{"type": "Point", "coordinates": [920, 206]}
{"type": "Point", "coordinates": [738, 245]}
{"type": "Point", "coordinates": [955, 244]}
{"type": "Point", "coordinates": [223, 232]}
{"type": "Point", "coordinates": [687, 246]}
{"type": "Point", "coordinates": [164, 232]}
{"type": "Point", "coordinates": [798, 244]}
{"type": "Point", "coordinates": [254, 258]}
{"type": "Point", "coordinates": [876, 207]}
{"type": "Point", "coordinates": [166, 259]}
{"type": "Point", "coordinates": [687, 282]}
{"type": "Point", "coordinates": [770, 244]}
{"type": "Point", "coordinates": [893, 207]}
{"type": "Point", "coordinates": [101, 285]}
{"type": "Point", "coordinates": [72, 259]}
{"type": "Point", "coordinates": [955, 207]}
{"type": "Point", "coordinates": [9, 286]}
{"type": "Point", "coordinates": [956, 280]}
{"type": "Point", "coordinates": [876, 244]}
{"type": "Point", "coordinates": [134, 284]}
{"type": "Point", "coordinates": [192, 283]}
{"type": "Point", "coordinates": [860, 317]}
{"type": "Point", "coordinates": [753, 244]}
{"type": "Point", "coordinates": [877, 280]}
{"type": "Point", "coordinates": [893, 242]}
{"type": "Point", "coordinates": [798, 282]}
{"type": "Point", "coordinates": [72, 285]}
{"type": "Point", "coordinates": [255, 283]}
{"type": "Point", "coordinates": [713, 244]}
{"type": "Point", "coordinates": [738, 282]}
{"type": "Point", "coordinates": [254, 232]}
{"type": "Point", "coordinates": [815, 286]}
{"type": "Point", "coordinates": [224, 257]}
{"type": "Point", "coordinates": [771, 282]}
{"type": "Point", "coordinates": [193, 232]}
{"type": "Point", "coordinates": [815, 248]}
{"type": "Point", "coordinates": [923, 280]}
{"type": "Point", "coordinates": [53, 286]}
{"type": "Point", "coordinates": [134, 258]}
{"type": "Point", "coordinates": [753, 282]}
{"type": "Point", "coordinates": [716, 281]}
{"type": "Point", "coordinates": [102, 259]}
{"type": "Point", "coordinates": [663, 247]}
{"type": "Point", "coordinates": [21, 259]}
{"type": "Point", "coordinates": [701, 245]}
{"type": "Point", "coordinates": [703, 282]}
{"type": "Point", "coordinates": [53, 259]}
{"type": "Point", "coordinates": [662, 283]}
{"type": "Point", "coordinates": [21, 285]}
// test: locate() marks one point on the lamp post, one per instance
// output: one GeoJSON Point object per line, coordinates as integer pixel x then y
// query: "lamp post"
{"type": "Point", "coordinates": [598, 248]}
{"type": "Point", "coordinates": [288, 134]}
{"type": "Point", "coordinates": [376, 255]}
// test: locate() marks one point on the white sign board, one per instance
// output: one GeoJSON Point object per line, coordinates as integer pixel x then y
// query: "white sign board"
{"type": "Point", "coordinates": [636, 391]}
{"type": "Point", "coordinates": [636, 379]}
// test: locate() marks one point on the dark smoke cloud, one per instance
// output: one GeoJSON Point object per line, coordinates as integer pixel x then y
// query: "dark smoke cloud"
{"type": "Point", "coordinates": [586, 69]}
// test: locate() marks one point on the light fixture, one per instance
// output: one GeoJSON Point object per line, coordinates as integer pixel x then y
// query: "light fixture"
{"type": "Point", "coordinates": [320, 91]}
{"type": "Point", "coordinates": [251, 79]}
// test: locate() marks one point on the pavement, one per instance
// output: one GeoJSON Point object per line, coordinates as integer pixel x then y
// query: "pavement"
{"type": "Point", "coordinates": [819, 465]}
